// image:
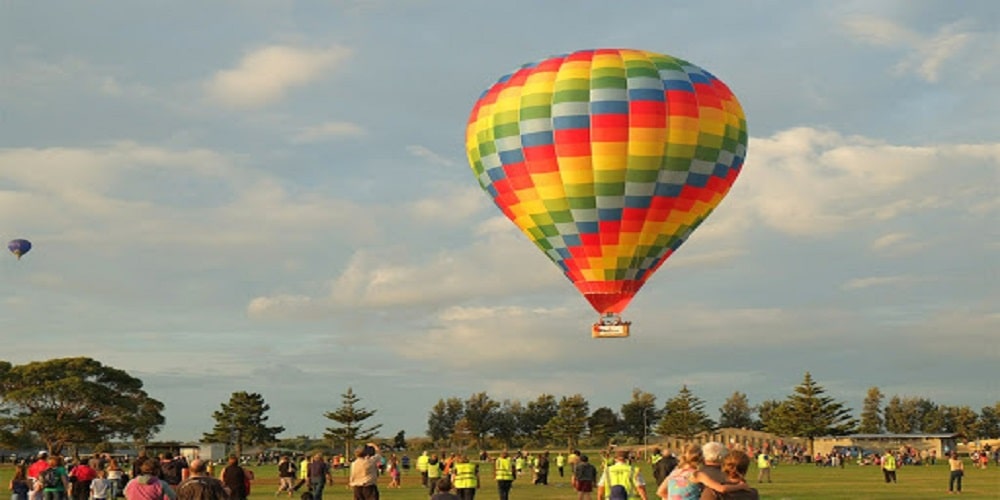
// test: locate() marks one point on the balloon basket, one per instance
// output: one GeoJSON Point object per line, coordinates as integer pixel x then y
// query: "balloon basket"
{"type": "Point", "coordinates": [610, 327]}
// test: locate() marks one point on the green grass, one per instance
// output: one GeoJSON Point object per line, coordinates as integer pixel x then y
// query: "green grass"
{"type": "Point", "coordinates": [790, 482]}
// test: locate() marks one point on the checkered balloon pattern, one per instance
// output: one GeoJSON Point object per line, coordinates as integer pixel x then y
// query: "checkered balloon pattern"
{"type": "Point", "coordinates": [607, 160]}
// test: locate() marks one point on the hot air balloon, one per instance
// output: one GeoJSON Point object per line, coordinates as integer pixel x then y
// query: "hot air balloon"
{"type": "Point", "coordinates": [607, 160]}
{"type": "Point", "coordinates": [19, 247]}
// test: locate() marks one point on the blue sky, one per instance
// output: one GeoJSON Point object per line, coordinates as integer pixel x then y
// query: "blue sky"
{"type": "Point", "coordinates": [273, 196]}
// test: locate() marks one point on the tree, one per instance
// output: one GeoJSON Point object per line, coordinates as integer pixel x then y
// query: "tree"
{"type": "Point", "coordinates": [812, 414]}
{"type": "Point", "coordinates": [442, 419]}
{"type": "Point", "coordinates": [536, 416]}
{"type": "Point", "coordinates": [639, 415]}
{"type": "Point", "coordinates": [480, 413]}
{"type": "Point", "coordinates": [989, 421]}
{"type": "Point", "coordinates": [900, 415]}
{"type": "Point", "coordinates": [684, 416]}
{"type": "Point", "coordinates": [73, 400]}
{"type": "Point", "coordinates": [570, 420]}
{"type": "Point", "coordinates": [871, 412]}
{"type": "Point", "coordinates": [961, 420]}
{"type": "Point", "coordinates": [505, 427]}
{"type": "Point", "coordinates": [736, 412]}
{"type": "Point", "coordinates": [774, 417]}
{"type": "Point", "coordinates": [399, 442]}
{"type": "Point", "coordinates": [603, 424]}
{"type": "Point", "coordinates": [242, 421]}
{"type": "Point", "coordinates": [351, 418]}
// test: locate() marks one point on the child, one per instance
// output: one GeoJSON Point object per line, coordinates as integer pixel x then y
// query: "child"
{"type": "Point", "coordinates": [100, 487]}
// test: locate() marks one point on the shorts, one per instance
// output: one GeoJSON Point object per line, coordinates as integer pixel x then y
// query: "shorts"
{"type": "Point", "coordinates": [584, 486]}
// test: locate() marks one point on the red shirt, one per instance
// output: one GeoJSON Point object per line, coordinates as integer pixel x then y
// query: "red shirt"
{"type": "Point", "coordinates": [36, 468]}
{"type": "Point", "coordinates": [83, 472]}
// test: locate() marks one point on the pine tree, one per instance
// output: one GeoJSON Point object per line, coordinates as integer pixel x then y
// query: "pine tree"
{"type": "Point", "coordinates": [570, 420]}
{"type": "Point", "coordinates": [812, 414]}
{"type": "Point", "coordinates": [684, 416]}
{"type": "Point", "coordinates": [639, 416]}
{"type": "Point", "coordinates": [871, 414]}
{"type": "Point", "coordinates": [351, 418]}
{"type": "Point", "coordinates": [242, 422]}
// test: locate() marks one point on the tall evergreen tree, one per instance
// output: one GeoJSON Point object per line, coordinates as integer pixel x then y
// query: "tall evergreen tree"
{"type": "Point", "coordinates": [813, 414]}
{"type": "Point", "coordinates": [871, 412]}
{"type": "Point", "coordinates": [242, 421]}
{"type": "Point", "coordinates": [570, 421]}
{"type": "Point", "coordinates": [989, 421]}
{"type": "Point", "coordinates": [505, 425]}
{"type": "Point", "coordinates": [736, 412]}
{"type": "Point", "coordinates": [536, 416]}
{"type": "Point", "coordinates": [684, 416]}
{"type": "Point", "coordinates": [351, 419]}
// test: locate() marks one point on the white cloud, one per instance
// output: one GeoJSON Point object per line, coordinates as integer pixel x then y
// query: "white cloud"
{"type": "Point", "coordinates": [926, 55]}
{"type": "Point", "coordinates": [453, 204]}
{"type": "Point", "coordinates": [880, 281]}
{"type": "Point", "coordinates": [809, 182]}
{"type": "Point", "coordinates": [327, 131]}
{"type": "Point", "coordinates": [897, 244]}
{"type": "Point", "coordinates": [266, 74]}
{"type": "Point", "coordinates": [430, 156]}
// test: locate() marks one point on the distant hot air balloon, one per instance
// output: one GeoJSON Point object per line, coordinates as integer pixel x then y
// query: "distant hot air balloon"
{"type": "Point", "coordinates": [607, 160]}
{"type": "Point", "coordinates": [19, 247]}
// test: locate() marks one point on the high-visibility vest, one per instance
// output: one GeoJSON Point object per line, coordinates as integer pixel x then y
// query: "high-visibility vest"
{"type": "Point", "coordinates": [655, 458]}
{"type": "Point", "coordinates": [422, 463]}
{"type": "Point", "coordinates": [889, 462]}
{"type": "Point", "coordinates": [465, 476]}
{"type": "Point", "coordinates": [433, 470]}
{"type": "Point", "coordinates": [560, 461]}
{"type": "Point", "coordinates": [519, 463]}
{"type": "Point", "coordinates": [763, 461]}
{"type": "Point", "coordinates": [620, 474]}
{"type": "Point", "coordinates": [503, 471]}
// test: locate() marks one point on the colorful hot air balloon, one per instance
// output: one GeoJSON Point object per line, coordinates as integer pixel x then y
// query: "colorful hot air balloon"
{"type": "Point", "coordinates": [607, 160]}
{"type": "Point", "coordinates": [19, 247]}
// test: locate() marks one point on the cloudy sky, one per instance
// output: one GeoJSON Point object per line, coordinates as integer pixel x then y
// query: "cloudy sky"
{"type": "Point", "coordinates": [273, 196]}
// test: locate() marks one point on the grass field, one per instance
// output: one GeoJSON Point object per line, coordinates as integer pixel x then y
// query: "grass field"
{"type": "Point", "coordinates": [790, 482]}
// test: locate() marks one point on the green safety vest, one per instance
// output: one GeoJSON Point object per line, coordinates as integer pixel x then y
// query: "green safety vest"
{"type": "Point", "coordinates": [465, 476]}
{"type": "Point", "coordinates": [433, 470]}
{"type": "Point", "coordinates": [503, 471]}
{"type": "Point", "coordinates": [620, 474]}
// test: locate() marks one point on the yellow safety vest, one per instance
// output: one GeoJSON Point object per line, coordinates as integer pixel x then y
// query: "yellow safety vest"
{"type": "Point", "coordinates": [465, 476]}
{"type": "Point", "coordinates": [422, 463]}
{"type": "Point", "coordinates": [889, 462]}
{"type": "Point", "coordinates": [503, 471]}
{"type": "Point", "coordinates": [433, 470]}
{"type": "Point", "coordinates": [763, 461]}
{"type": "Point", "coordinates": [620, 474]}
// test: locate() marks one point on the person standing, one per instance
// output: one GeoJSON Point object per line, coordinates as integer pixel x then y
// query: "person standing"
{"type": "Point", "coordinates": [319, 476]}
{"type": "Point", "coordinates": [889, 467]}
{"type": "Point", "coordinates": [584, 477]}
{"type": "Point", "coordinates": [432, 471]}
{"type": "Point", "coordinates": [422, 468]}
{"type": "Point", "coordinates": [504, 472]}
{"type": "Point", "coordinates": [663, 466]}
{"type": "Point", "coordinates": [20, 485]}
{"type": "Point", "coordinates": [465, 478]}
{"type": "Point", "coordinates": [364, 472]}
{"type": "Point", "coordinates": [542, 469]}
{"type": "Point", "coordinates": [957, 469]}
{"type": "Point", "coordinates": [764, 467]}
{"type": "Point", "coordinates": [621, 480]}
{"type": "Point", "coordinates": [200, 485]}
{"type": "Point", "coordinates": [560, 464]}
{"type": "Point", "coordinates": [147, 485]}
{"type": "Point", "coordinates": [235, 479]}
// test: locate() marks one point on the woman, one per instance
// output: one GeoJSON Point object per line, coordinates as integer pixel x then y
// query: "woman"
{"type": "Point", "coordinates": [685, 482]}
{"type": "Point", "coordinates": [20, 484]}
{"type": "Point", "coordinates": [957, 471]}
{"type": "Point", "coordinates": [115, 477]}
{"type": "Point", "coordinates": [735, 467]}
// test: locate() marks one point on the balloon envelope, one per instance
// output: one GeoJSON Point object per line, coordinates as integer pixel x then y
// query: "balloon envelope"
{"type": "Point", "coordinates": [607, 160]}
{"type": "Point", "coordinates": [19, 247]}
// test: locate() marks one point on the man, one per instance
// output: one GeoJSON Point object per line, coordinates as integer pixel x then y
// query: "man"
{"type": "Point", "coordinates": [235, 479]}
{"type": "Point", "coordinates": [889, 467]}
{"type": "Point", "coordinates": [664, 465]}
{"type": "Point", "coordinates": [319, 475]}
{"type": "Point", "coordinates": [444, 490]}
{"type": "Point", "coordinates": [560, 463]}
{"type": "Point", "coordinates": [200, 485]}
{"type": "Point", "coordinates": [422, 468]}
{"type": "Point", "coordinates": [173, 470]}
{"type": "Point", "coordinates": [364, 472]}
{"type": "Point", "coordinates": [542, 469]}
{"type": "Point", "coordinates": [621, 480]}
{"type": "Point", "coordinates": [584, 477]}
{"type": "Point", "coordinates": [504, 472]}
{"type": "Point", "coordinates": [465, 478]}
{"type": "Point", "coordinates": [81, 477]}
{"type": "Point", "coordinates": [713, 452]}
{"type": "Point", "coordinates": [763, 467]}
{"type": "Point", "coordinates": [286, 475]}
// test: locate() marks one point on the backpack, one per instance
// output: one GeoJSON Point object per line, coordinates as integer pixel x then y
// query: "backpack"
{"type": "Point", "coordinates": [618, 492]}
{"type": "Point", "coordinates": [50, 478]}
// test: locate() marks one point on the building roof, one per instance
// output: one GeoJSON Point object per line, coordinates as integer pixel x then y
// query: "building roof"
{"type": "Point", "coordinates": [904, 436]}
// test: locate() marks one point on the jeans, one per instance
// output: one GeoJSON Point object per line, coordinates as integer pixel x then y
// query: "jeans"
{"type": "Point", "coordinates": [317, 488]}
{"type": "Point", "coordinates": [955, 480]}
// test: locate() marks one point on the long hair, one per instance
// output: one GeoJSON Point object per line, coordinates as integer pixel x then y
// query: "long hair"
{"type": "Point", "coordinates": [691, 457]}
